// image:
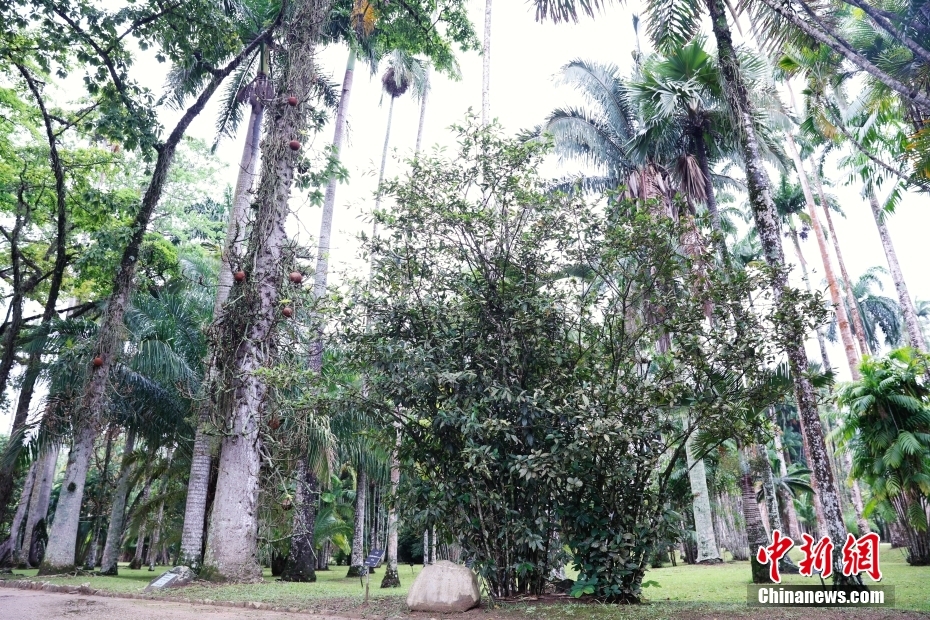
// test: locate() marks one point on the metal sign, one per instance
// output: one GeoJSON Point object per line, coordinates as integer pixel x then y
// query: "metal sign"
{"type": "Point", "coordinates": [374, 558]}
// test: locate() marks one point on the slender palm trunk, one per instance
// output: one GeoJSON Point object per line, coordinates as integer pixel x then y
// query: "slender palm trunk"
{"type": "Point", "coordinates": [707, 550]}
{"type": "Point", "coordinates": [247, 333]}
{"type": "Point", "coordinates": [38, 504]}
{"type": "Point", "coordinates": [821, 340]}
{"type": "Point", "coordinates": [391, 576]}
{"type": "Point", "coordinates": [851, 301]}
{"type": "Point", "coordinates": [301, 561]}
{"type": "Point", "coordinates": [356, 566]}
{"type": "Point", "coordinates": [486, 67]}
{"type": "Point", "coordinates": [904, 297]}
{"type": "Point", "coordinates": [111, 548]}
{"type": "Point", "coordinates": [764, 215]}
{"type": "Point", "coordinates": [156, 535]}
{"type": "Point", "coordinates": [384, 153]}
{"type": "Point", "coordinates": [422, 122]}
{"type": "Point", "coordinates": [199, 480]}
{"type": "Point", "coordinates": [842, 319]}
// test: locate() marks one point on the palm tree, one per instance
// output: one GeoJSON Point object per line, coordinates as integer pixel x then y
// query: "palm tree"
{"type": "Point", "coordinates": [486, 66]}
{"type": "Point", "coordinates": [888, 431]}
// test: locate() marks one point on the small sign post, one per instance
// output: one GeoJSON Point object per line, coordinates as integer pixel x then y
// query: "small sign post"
{"type": "Point", "coordinates": [374, 557]}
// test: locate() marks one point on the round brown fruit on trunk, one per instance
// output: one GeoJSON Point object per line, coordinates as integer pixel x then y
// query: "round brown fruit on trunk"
{"type": "Point", "coordinates": [239, 276]}
{"type": "Point", "coordinates": [296, 277]}
{"type": "Point", "coordinates": [292, 100]}
{"type": "Point", "coordinates": [274, 423]}
{"type": "Point", "coordinates": [295, 145]}
{"type": "Point", "coordinates": [287, 311]}
{"type": "Point", "coordinates": [98, 362]}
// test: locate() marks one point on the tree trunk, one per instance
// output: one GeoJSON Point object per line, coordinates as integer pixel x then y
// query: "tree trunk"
{"type": "Point", "coordinates": [118, 510]}
{"type": "Point", "coordinates": [91, 559]}
{"type": "Point", "coordinates": [59, 555]}
{"type": "Point", "coordinates": [356, 566]}
{"type": "Point", "coordinates": [246, 335]}
{"type": "Point", "coordinates": [842, 319]}
{"type": "Point", "coordinates": [38, 505]}
{"type": "Point", "coordinates": [138, 559]}
{"type": "Point", "coordinates": [391, 576]}
{"type": "Point", "coordinates": [486, 67]}
{"type": "Point", "coordinates": [422, 121]}
{"type": "Point", "coordinates": [707, 550]}
{"type": "Point", "coordinates": [384, 153]}
{"type": "Point", "coordinates": [17, 535]}
{"type": "Point", "coordinates": [156, 534]}
{"type": "Point", "coordinates": [821, 340]}
{"type": "Point", "coordinates": [755, 528]}
{"type": "Point", "coordinates": [904, 297]}
{"type": "Point", "coordinates": [191, 550]}
{"type": "Point", "coordinates": [851, 300]}
{"type": "Point", "coordinates": [764, 214]}
{"type": "Point", "coordinates": [301, 561]}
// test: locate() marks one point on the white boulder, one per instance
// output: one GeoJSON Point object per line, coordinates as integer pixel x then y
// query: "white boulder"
{"type": "Point", "coordinates": [444, 587]}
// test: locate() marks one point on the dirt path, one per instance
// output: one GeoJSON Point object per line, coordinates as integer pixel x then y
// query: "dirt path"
{"type": "Point", "coordinates": [31, 605]}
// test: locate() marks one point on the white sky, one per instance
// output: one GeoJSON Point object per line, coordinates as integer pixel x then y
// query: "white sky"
{"type": "Point", "coordinates": [525, 56]}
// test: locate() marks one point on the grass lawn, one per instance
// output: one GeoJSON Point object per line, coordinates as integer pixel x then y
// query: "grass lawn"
{"type": "Point", "coordinates": [683, 592]}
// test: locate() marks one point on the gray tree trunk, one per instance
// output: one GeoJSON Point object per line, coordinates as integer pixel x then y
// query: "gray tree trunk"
{"type": "Point", "coordinates": [246, 334]}
{"type": "Point", "coordinates": [199, 480]}
{"type": "Point", "coordinates": [708, 551]}
{"type": "Point", "coordinates": [764, 215]}
{"type": "Point", "coordinates": [821, 340]}
{"type": "Point", "coordinates": [111, 549]}
{"type": "Point", "coordinates": [301, 561]}
{"type": "Point", "coordinates": [794, 528]}
{"type": "Point", "coordinates": [156, 535]}
{"type": "Point", "coordinates": [915, 338]}
{"type": "Point", "coordinates": [356, 566]}
{"type": "Point", "coordinates": [59, 555]}
{"type": "Point", "coordinates": [19, 538]}
{"type": "Point", "coordinates": [391, 576]}
{"type": "Point", "coordinates": [755, 528]}
{"type": "Point", "coordinates": [422, 122]}
{"type": "Point", "coordinates": [41, 496]}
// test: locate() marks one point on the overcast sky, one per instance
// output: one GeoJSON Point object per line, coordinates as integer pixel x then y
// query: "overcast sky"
{"type": "Point", "coordinates": [525, 56]}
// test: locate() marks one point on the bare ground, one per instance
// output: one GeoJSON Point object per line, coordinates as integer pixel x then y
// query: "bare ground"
{"type": "Point", "coordinates": [36, 605]}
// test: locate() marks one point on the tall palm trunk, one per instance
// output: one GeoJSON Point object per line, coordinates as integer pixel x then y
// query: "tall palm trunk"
{"type": "Point", "coordinates": [851, 300]}
{"type": "Point", "coordinates": [486, 67]}
{"type": "Point", "coordinates": [246, 338]}
{"type": "Point", "coordinates": [707, 549]}
{"type": "Point", "coordinates": [821, 340]}
{"type": "Point", "coordinates": [139, 556]}
{"type": "Point", "coordinates": [111, 548]}
{"type": "Point", "coordinates": [198, 483]}
{"type": "Point", "coordinates": [842, 318]}
{"type": "Point", "coordinates": [422, 122]}
{"type": "Point", "coordinates": [384, 153]}
{"type": "Point", "coordinates": [764, 215]}
{"type": "Point", "coordinates": [156, 535]}
{"type": "Point", "coordinates": [915, 339]}
{"type": "Point", "coordinates": [755, 528]}
{"type": "Point", "coordinates": [794, 527]}
{"type": "Point", "coordinates": [356, 566]}
{"type": "Point", "coordinates": [63, 536]}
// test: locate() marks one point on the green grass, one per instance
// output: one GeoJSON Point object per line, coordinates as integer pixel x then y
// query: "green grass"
{"type": "Point", "coordinates": [684, 591]}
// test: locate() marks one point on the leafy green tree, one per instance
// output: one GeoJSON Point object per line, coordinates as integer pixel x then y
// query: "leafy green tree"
{"type": "Point", "coordinates": [503, 372]}
{"type": "Point", "coordinates": [888, 430]}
